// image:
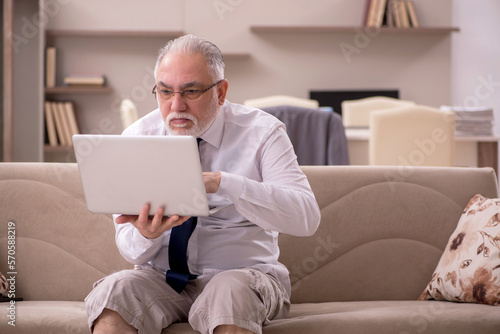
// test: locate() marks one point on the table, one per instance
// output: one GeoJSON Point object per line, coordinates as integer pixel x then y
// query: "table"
{"type": "Point", "coordinates": [470, 151]}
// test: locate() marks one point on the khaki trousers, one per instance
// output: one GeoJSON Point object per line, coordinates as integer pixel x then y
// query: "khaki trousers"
{"type": "Point", "coordinates": [246, 298]}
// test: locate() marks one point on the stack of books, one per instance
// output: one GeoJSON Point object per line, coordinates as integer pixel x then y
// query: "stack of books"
{"type": "Point", "coordinates": [473, 121]}
{"type": "Point", "coordinates": [60, 123]}
{"type": "Point", "coordinates": [390, 13]}
{"type": "Point", "coordinates": [86, 80]}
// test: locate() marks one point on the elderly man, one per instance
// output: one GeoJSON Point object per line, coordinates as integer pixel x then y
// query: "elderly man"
{"type": "Point", "coordinates": [232, 281]}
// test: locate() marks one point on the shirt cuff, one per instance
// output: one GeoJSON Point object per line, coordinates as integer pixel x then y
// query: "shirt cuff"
{"type": "Point", "coordinates": [231, 186]}
{"type": "Point", "coordinates": [141, 244]}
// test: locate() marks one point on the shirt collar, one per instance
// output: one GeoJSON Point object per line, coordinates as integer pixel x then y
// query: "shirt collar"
{"type": "Point", "coordinates": [213, 135]}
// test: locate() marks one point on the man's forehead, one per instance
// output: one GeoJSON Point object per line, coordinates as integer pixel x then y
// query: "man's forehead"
{"type": "Point", "coordinates": [188, 84]}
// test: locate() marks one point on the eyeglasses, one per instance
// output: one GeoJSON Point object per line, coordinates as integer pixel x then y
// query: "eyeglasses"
{"type": "Point", "coordinates": [189, 94]}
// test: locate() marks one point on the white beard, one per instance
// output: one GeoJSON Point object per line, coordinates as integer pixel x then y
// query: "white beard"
{"type": "Point", "coordinates": [199, 127]}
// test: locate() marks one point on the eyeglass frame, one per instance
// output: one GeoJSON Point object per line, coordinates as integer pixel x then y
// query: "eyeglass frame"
{"type": "Point", "coordinates": [182, 92]}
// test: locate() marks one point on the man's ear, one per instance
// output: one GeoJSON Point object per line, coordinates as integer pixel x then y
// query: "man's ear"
{"type": "Point", "coordinates": [222, 91]}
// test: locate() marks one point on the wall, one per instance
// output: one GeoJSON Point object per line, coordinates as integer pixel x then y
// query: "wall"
{"type": "Point", "coordinates": [475, 79]}
{"type": "Point", "coordinates": [279, 63]}
{"type": "Point", "coordinates": [296, 63]}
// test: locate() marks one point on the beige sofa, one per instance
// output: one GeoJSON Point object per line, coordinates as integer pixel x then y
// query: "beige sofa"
{"type": "Point", "coordinates": [383, 231]}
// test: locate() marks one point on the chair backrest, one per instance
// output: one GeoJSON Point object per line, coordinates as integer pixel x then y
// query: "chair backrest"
{"type": "Point", "coordinates": [412, 136]}
{"type": "Point", "coordinates": [356, 113]}
{"type": "Point", "coordinates": [128, 113]}
{"type": "Point", "coordinates": [312, 128]}
{"type": "Point", "coordinates": [281, 100]}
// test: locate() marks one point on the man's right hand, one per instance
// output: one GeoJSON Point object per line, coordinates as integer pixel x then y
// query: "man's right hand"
{"type": "Point", "coordinates": [151, 227]}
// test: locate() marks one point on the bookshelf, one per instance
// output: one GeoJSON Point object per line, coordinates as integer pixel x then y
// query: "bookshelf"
{"type": "Point", "coordinates": [76, 90]}
{"type": "Point", "coordinates": [349, 29]}
{"type": "Point", "coordinates": [113, 33]}
{"type": "Point", "coordinates": [84, 97]}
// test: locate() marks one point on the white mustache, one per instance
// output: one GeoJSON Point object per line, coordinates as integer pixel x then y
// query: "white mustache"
{"type": "Point", "coordinates": [181, 115]}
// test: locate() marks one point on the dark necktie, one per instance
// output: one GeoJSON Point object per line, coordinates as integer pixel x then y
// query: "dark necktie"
{"type": "Point", "coordinates": [178, 276]}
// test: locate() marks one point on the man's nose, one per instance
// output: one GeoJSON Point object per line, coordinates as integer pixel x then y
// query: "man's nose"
{"type": "Point", "coordinates": [178, 102]}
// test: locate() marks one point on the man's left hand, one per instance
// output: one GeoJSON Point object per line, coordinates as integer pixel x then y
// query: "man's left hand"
{"type": "Point", "coordinates": [212, 181]}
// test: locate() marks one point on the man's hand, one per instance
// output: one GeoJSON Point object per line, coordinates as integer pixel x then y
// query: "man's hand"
{"type": "Point", "coordinates": [212, 181]}
{"type": "Point", "coordinates": [151, 227]}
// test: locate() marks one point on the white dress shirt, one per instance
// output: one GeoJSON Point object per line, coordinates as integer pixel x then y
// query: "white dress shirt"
{"type": "Point", "coordinates": [262, 189]}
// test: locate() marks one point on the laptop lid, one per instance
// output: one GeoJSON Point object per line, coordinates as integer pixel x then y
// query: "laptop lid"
{"type": "Point", "coordinates": [122, 173]}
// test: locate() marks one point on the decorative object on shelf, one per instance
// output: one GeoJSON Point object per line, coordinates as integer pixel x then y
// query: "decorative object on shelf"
{"type": "Point", "coordinates": [128, 113]}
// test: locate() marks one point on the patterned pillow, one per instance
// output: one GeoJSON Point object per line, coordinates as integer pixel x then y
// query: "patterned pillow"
{"type": "Point", "coordinates": [469, 269]}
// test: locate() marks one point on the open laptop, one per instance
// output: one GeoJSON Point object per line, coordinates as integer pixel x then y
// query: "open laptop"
{"type": "Point", "coordinates": [122, 173]}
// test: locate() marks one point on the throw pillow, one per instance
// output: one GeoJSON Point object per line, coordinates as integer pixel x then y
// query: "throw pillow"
{"type": "Point", "coordinates": [469, 269]}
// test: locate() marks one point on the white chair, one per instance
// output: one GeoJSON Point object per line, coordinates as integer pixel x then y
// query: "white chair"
{"type": "Point", "coordinates": [281, 100]}
{"type": "Point", "coordinates": [412, 136]}
{"type": "Point", "coordinates": [128, 113]}
{"type": "Point", "coordinates": [356, 113]}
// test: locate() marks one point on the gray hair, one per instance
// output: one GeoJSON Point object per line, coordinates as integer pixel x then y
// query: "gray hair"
{"type": "Point", "coordinates": [190, 44]}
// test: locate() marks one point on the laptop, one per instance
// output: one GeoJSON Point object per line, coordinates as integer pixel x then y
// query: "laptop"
{"type": "Point", "coordinates": [122, 173]}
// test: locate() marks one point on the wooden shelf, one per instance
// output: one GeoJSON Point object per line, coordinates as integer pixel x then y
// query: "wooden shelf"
{"type": "Point", "coordinates": [236, 55]}
{"type": "Point", "coordinates": [78, 90]}
{"type": "Point", "coordinates": [350, 29]}
{"type": "Point", "coordinates": [114, 33]}
{"type": "Point", "coordinates": [58, 149]}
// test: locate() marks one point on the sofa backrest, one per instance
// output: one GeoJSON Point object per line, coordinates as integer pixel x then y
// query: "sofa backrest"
{"type": "Point", "coordinates": [61, 248]}
{"type": "Point", "coordinates": [382, 232]}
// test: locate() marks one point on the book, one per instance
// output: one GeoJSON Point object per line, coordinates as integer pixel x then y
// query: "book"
{"type": "Point", "coordinates": [410, 6]}
{"type": "Point", "coordinates": [50, 124]}
{"type": "Point", "coordinates": [381, 9]}
{"type": "Point", "coordinates": [50, 67]}
{"type": "Point", "coordinates": [389, 17]}
{"type": "Point", "coordinates": [66, 131]}
{"type": "Point", "coordinates": [70, 113]}
{"type": "Point", "coordinates": [372, 13]}
{"type": "Point", "coordinates": [395, 9]}
{"type": "Point", "coordinates": [403, 13]}
{"type": "Point", "coordinates": [85, 80]}
{"type": "Point", "coordinates": [376, 13]}
{"type": "Point", "coordinates": [60, 122]}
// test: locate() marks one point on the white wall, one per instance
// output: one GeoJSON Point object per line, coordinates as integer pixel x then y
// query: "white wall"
{"type": "Point", "coordinates": [475, 79]}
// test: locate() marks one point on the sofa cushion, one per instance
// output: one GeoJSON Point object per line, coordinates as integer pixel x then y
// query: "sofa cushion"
{"type": "Point", "coordinates": [45, 317]}
{"type": "Point", "coordinates": [469, 269]}
{"type": "Point", "coordinates": [385, 317]}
